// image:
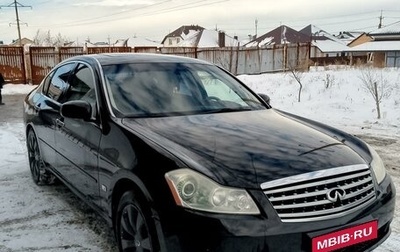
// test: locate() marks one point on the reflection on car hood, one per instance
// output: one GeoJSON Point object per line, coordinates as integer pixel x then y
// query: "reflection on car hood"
{"type": "Point", "coordinates": [244, 149]}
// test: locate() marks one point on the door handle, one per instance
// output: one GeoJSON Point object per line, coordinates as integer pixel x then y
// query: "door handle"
{"type": "Point", "coordinates": [59, 123]}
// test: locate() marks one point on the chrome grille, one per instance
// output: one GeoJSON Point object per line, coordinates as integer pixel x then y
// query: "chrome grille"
{"type": "Point", "coordinates": [304, 197]}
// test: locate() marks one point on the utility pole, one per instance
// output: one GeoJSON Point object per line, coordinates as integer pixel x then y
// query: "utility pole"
{"type": "Point", "coordinates": [16, 4]}
{"type": "Point", "coordinates": [380, 21]}
{"type": "Point", "coordinates": [256, 24]}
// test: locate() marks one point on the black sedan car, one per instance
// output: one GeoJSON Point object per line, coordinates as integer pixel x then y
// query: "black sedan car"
{"type": "Point", "coordinates": [179, 155]}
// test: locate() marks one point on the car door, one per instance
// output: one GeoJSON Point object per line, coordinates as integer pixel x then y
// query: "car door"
{"type": "Point", "coordinates": [47, 106]}
{"type": "Point", "coordinates": [77, 140]}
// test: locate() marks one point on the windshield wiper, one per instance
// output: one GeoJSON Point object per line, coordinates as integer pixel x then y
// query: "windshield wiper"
{"type": "Point", "coordinates": [222, 110]}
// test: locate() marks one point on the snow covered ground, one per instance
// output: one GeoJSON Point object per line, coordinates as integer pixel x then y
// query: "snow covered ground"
{"type": "Point", "coordinates": [51, 218]}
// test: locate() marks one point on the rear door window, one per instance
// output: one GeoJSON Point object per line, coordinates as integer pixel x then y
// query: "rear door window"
{"type": "Point", "coordinates": [59, 81]}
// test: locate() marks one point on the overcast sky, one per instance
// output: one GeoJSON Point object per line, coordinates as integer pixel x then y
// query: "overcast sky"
{"type": "Point", "coordinates": [103, 20]}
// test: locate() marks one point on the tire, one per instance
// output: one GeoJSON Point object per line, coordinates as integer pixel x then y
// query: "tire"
{"type": "Point", "coordinates": [135, 230]}
{"type": "Point", "coordinates": [40, 175]}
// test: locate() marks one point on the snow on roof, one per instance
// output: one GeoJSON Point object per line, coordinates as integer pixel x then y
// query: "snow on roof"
{"type": "Point", "coordinates": [390, 29]}
{"type": "Point", "coordinates": [317, 34]}
{"type": "Point", "coordinates": [280, 35]}
{"type": "Point", "coordinates": [190, 33]}
{"type": "Point", "coordinates": [376, 46]}
{"type": "Point", "coordinates": [329, 46]}
{"type": "Point", "coordinates": [184, 32]}
{"type": "Point", "coordinates": [143, 42]}
{"type": "Point", "coordinates": [349, 36]}
{"type": "Point", "coordinates": [118, 43]}
{"type": "Point", "coordinates": [265, 42]}
{"type": "Point", "coordinates": [323, 40]}
{"type": "Point", "coordinates": [96, 44]}
{"type": "Point", "coordinates": [207, 38]}
{"type": "Point", "coordinates": [121, 42]}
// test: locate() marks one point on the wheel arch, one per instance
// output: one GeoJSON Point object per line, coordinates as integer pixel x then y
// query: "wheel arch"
{"type": "Point", "coordinates": [128, 184]}
{"type": "Point", "coordinates": [143, 196]}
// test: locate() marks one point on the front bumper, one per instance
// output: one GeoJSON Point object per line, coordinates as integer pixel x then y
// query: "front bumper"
{"type": "Point", "coordinates": [193, 231]}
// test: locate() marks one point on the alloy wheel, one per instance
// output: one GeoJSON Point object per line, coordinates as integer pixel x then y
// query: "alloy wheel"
{"type": "Point", "coordinates": [40, 175]}
{"type": "Point", "coordinates": [35, 161]}
{"type": "Point", "coordinates": [134, 233]}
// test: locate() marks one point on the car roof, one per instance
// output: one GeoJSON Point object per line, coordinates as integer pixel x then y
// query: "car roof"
{"type": "Point", "coordinates": [126, 58]}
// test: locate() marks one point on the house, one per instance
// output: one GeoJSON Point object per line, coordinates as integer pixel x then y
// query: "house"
{"type": "Point", "coordinates": [324, 44]}
{"type": "Point", "coordinates": [281, 35]}
{"type": "Point", "coordinates": [117, 43]}
{"type": "Point", "coordinates": [348, 36]}
{"type": "Point", "coordinates": [121, 42]}
{"type": "Point", "coordinates": [381, 46]}
{"type": "Point", "coordinates": [143, 42]}
{"type": "Point", "coordinates": [209, 38]}
{"type": "Point", "coordinates": [183, 32]}
{"type": "Point", "coordinates": [24, 41]}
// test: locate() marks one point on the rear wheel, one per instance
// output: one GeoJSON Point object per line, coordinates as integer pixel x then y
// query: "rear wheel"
{"type": "Point", "coordinates": [40, 174]}
{"type": "Point", "coordinates": [134, 227]}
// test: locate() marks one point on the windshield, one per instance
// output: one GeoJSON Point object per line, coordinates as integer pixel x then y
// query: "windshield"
{"type": "Point", "coordinates": [163, 89]}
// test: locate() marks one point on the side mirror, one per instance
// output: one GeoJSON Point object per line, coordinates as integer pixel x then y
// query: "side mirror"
{"type": "Point", "coordinates": [77, 109]}
{"type": "Point", "coordinates": [265, 98]}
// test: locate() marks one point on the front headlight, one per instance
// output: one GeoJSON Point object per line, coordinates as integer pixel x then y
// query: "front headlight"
{"type": "Point", "coordinates": [195, 191]}
{"type": "Point", "coordinates": [377, 165]}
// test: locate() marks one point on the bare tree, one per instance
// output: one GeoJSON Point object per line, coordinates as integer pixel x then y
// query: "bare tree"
{"type": "Point", "coordinates": [378, 86]}
{"type": "Point", "coordinates": [44, 38]}
{"type": "Point", "coordinates": [297, 73]}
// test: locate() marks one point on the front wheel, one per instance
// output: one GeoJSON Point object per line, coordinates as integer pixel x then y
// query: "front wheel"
{"type": "Point", "coordinates": [134, 227]}
{"type": "Point", "coordinates": [40, 175]}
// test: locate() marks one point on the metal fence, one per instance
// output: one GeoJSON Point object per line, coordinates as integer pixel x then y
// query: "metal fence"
{"type": "Point", "coordinates": [241, 60]}
{"type": "Point", "coordinates": [12, 64]}
{"type": "Point", "coordinates": [237, 60]}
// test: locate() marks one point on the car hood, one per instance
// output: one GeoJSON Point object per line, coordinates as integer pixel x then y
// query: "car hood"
{"type": "Point", "coordinates": [245, 149]}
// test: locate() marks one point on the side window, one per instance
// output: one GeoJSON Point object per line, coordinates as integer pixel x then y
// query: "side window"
{"type": "Point", "coordinates": [81, 85]}
{"type": "Point", "coordinates": [59, 81]}
{"type": "Point", "coordinates": [46, 83]}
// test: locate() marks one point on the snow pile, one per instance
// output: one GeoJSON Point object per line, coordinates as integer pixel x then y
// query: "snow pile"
{"type": "Point", "coordinates": [12, 89]}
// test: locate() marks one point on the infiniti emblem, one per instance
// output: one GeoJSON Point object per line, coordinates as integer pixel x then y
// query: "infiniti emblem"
{"type": "Point", "coordinates": [336, 194]}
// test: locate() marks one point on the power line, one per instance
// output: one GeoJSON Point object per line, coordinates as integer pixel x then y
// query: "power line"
{"type": "Point", "coordinates": [145, 14]}
{"type": "Point", "coordinates": [16, 4]}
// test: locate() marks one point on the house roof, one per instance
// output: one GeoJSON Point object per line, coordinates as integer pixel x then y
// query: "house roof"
{"type": "Point", "coordinates": [183, 32]}
{"type": "Point", "coordinates": [316, 33]}
{"type": "Point", "coordinates": [349, 36]}
{"type": "Point", "coordinates": [376, 46]}
{"type": "Point", "coordinates": [143, 42]}
{"type": "Point", "coordinates": [329, 46]}
{"type": "Point", "coordinates": [24, 41]}
{"type": "Point", "coordinates": [207, 38]}
{"type": "Point", "coordinates": [118, 43]}
{"type": "Point", "coordinates": [393, 28]}
{"type": "Point", "coordinates": [280, 35]}
{"type": "Point", "coordinates": [325, 41]}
